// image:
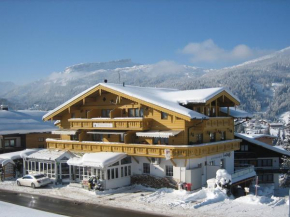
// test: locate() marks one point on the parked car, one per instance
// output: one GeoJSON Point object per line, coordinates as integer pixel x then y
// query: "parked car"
{"type": "Point", "coordinates": [33, 181]}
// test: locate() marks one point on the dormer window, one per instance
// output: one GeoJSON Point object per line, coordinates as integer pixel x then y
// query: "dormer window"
{"type": "Point", "coordinates": [106, 113]}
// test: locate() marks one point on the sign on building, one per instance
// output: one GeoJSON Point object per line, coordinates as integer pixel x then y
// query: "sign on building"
{"type": "Point", "coordinates": [108, 125]}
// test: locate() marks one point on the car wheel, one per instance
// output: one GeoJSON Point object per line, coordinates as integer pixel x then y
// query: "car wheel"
{"type": "Point", "coordinates": [32, 185]}
{"type": "Point", "coordinates": [18, 183]}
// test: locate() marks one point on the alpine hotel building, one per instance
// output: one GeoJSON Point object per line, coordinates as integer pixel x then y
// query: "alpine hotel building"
{"type": "Point", "coordinates": [120, 130]}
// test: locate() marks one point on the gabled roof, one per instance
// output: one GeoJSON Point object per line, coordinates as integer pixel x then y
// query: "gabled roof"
{"type": "Point", "coordinates": [262, 144]}
{"type": "Point", "coordinates": [165, 98]}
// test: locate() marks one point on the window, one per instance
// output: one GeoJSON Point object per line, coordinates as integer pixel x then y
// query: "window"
{"type": "Point", "coordinates": [223, 135]}
{"type": "Point", "coordinates": [126, 170]}
{"type": "Point", "coordinates": [200, 138]}
{"type": "Point", "coordinates": [126, 160]}
{"type": "Point", "coordinates": [106, 113]}
{"type": "Point", "coordinates": [74, 137]}
{"type": "Point", "coordinates": [72, 115]}
{"type": "Point", "coordinates": [159, 140]}
{"type": "Point", "coordinates": [117, 172]}
{"type": "Point", "coordinates": [108, 174]}
{"type": "Point", "coordinates": [10, 142]}
{"type": "Point", "coordinates": [129, 170]}
{"type": "Point", "coordinates": [211, 163]}
{"type": "Point", "coordinates": [222, 163]}
{"type": "Point", "coordinates": [97, 137]}
{"type": "Point", "coordinates": [244, 147]}
{"type": "Point", "coordinates": [169, 170]}
{"type": "Point", "coordinates": [112, 174]}
{"type": "Point", "coordinates": [40, 146]}
{"type": "Point", "coordinates": [212, 137]}
{"type": "Point", "coordinates": [122, 171]}
{"type": "Point", "coordinates": [41, 139]}
{"type": "Point", "coordinates": [114, 164]}
{"type": "Point", "coordinates": [146, 168]}
{"type": "Point", "coordinates": [136, 112]}
{"type": "Point", "coordinates": [266, 178]}
{"type": "Point", "coordinates": [164, 115]}
{"type": "Point", "coordinates": [131, 112]}
{"type": "Point", "coordinates": [265, 163]}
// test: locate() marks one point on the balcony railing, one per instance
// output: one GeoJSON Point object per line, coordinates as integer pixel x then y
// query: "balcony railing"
{"type": "Point", "coordinates": [110, 123]}
{"type": "Point", "coordinates": [176, 151]}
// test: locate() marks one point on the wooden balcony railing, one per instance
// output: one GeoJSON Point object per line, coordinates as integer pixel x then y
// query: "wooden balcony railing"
{"type": "Point", "coordinates": [110, 123]}
{"type": "Point", "coordinates": [176, 151]}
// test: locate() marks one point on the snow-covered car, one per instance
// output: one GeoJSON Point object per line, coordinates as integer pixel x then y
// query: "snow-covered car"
{"type": "Point", "coordinates": [33, 181]}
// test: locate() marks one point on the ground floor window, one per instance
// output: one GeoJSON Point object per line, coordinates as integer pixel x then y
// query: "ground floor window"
{"type": "Point", "coordinates": [169, 170]}
{"type": "Point", "coordinates": [146, 168]}
{"type": "Point", "coordinates": [266, 178]}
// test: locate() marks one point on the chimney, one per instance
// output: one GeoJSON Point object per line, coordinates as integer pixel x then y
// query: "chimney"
{"type": "Point", "coordinates": [105, 81]}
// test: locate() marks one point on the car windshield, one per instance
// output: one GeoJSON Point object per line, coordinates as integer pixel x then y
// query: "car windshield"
{"type": "Point", "coordinates": [39, 176]}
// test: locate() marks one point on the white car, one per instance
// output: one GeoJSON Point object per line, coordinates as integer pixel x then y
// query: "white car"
{"type": "Point", "coordinates": [33, 181]}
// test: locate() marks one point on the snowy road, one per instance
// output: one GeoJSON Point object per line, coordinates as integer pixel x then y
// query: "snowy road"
{"type": "Point", "coordinates": [60, 206]}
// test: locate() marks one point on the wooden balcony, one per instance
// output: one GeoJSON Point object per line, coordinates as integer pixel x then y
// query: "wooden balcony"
{"type": "Point", "coordinates": [110, 123]}
{"type": "Point", "coordinates": [176, 152]}
{"type": "Point", "coordinates": [215, 122]}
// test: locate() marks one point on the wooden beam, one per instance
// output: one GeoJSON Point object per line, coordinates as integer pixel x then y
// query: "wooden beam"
{"type": "Point", "coordinates": [100, 92]}
{"type": "Point", "coordinates": [172, 161]}
{"type": "Point", "coordinates": [135, 159]}
{"type": "Point", "coordinates": [119, 99]}
{"type": "Point", "coordinates": [68, 109]}
{"type": "Point", "coordinates": [148, 159]}
{"type": "Point", "coordinates": [84, 101]}
{"type": "Point", "coordinates": [216, 111]}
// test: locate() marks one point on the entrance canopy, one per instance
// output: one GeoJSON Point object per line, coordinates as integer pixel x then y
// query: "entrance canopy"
{"type": "Point", "coordinates": [161, 134]}
{"type": "Point", "coordinates": [97, 160]}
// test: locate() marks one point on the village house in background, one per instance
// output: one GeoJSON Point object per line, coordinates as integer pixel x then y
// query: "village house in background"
{"type": "Point", "coordinates": [20, 130]}
{"type": "Point", "coordinates": [117, 131]}
{"type": "Point", "coordinates": [25, 129]}
{"type": "Point", "coordinates": [257, 150]}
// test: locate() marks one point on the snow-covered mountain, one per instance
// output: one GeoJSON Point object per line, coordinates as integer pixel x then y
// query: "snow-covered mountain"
{"type": "Point", "coordinates": [263, 84]}
{"type": "Point", "coordinates": [60, 86]}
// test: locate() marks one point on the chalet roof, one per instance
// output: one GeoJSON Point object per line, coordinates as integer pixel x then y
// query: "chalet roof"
{"type": "Point", "coordinates": [236, 113]}
{"type": "Point", "coordinates": [23, 122]}
{"type": "Point", "coordinates": [257, 136]}
{"type": "Point", "coordinates": [163, 97]}
{"type": "Point", "coordinates": [262, 144]}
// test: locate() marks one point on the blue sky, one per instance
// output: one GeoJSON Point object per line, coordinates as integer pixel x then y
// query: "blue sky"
{"type": "Point", "coordinates": [41, 37]}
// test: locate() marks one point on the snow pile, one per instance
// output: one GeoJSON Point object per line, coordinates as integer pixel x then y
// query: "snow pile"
{"type": "Point", "coordinates": [262, 200]}
{"type": "Point", "coordinates": [223, 178]}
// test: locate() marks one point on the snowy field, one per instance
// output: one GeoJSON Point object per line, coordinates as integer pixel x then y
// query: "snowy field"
{"type": "Point", "coordinates": [169, 202]}
{"type": "Point", "coordinates": [12, 210]}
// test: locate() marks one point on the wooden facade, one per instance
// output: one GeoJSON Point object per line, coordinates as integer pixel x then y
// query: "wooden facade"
{"type": "Point", "coordinates": [106, 120]}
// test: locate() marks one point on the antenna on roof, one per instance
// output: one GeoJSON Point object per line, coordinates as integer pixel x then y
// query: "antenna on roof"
{"type": "Point", "coordinates": [123, 84]}
{"type": "Point", "coordinates": [105, 81]}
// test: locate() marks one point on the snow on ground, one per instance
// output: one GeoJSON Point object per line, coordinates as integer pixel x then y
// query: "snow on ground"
{"type": "Point", "coordinates": [8, 210]}
{"type": "Point", "coordinates": [203, 203]}
{"type": "Point", "coordinates": [285, 117]}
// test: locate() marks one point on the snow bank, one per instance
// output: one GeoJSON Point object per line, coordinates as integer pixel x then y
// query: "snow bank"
{"type": "Point", "coordinates": [223, 177]}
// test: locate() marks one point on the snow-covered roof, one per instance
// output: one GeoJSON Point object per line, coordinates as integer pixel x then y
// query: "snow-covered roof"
{"type": "Point", "coordinates": [18, 154]}
{"type": "Point", "coordinates": [166, 98]}
{"type": "Point", "coordinates": [98, 160]}
{"type": "Point", "coordinates": [262, 144]}
{"type": "Point", "coordinates": [256, 136]}
{"type": "Point", "coordinates": [23, 122]}
{"type": "Point", "coordinates": [236, 113]}
{"type": "Point", "coordinates": [64, 132]}
{"type": "Point", "coordinates": [47, 154]}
